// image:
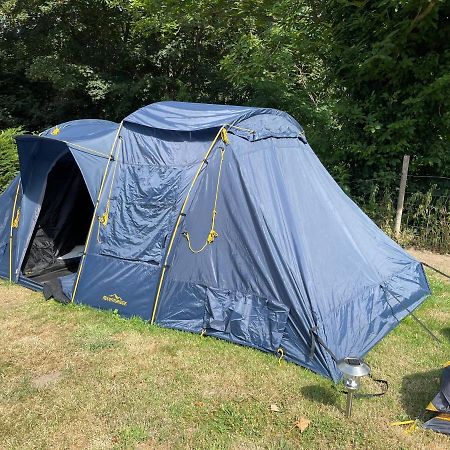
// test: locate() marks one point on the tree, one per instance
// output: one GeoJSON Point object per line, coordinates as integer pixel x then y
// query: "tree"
{"type": "Point", "coordinates": [390, 64]}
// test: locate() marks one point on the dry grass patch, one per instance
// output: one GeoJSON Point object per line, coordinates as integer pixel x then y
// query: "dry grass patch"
{"type": "Point", "coordinates": [74, 377]}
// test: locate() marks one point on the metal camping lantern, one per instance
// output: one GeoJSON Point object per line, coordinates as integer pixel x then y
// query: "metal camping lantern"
{"type": "Point", "coordinates": [353, 369]}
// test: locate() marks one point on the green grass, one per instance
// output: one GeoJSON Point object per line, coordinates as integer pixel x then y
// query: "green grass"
{"type": "Point", "coordinates": [75, 377]}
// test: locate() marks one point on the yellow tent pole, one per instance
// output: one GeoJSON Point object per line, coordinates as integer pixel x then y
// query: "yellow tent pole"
{"type": "Point", "coordinates": [180, 215]}
{"type": "Point", "coordinates": [94, 215]}
{"type": "Point", "coordinates": [13, 213]}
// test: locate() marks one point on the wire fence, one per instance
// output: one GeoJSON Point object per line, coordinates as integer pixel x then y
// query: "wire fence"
{"type": "Point", "coordinates": [442, 184]}
{"type": "Point", "coordinates": [424, 217]}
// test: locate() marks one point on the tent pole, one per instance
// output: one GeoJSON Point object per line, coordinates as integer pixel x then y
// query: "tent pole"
{"type": "Point", "coordinates": [180, 215]}
{"type": "Point", "coordinates": [91, 227]}
{"type": "Point", "coordinates": [12, 229]}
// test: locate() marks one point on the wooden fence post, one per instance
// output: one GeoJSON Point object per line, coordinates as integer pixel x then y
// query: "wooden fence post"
{"type": "Point", "coordinates": [401, 196]}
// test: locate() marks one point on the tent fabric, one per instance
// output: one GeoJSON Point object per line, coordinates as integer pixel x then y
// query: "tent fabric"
{"type": "Point", "coordinates": [183, 116]}
{"type": "Point", "coordinates": [88, 135]}
{"type": "Point", "coordinates": [90, 144]}
{"type": "Point", "coordinates": [439, 423]}
{"type": "Point", "coordinates": [441, 402]}
{"type": "Point", "coordinates": [441, 405]}
{"type": "Point", "coordinates": [7, 200]}
{"type": "Point", "coordinates": [293, 254]}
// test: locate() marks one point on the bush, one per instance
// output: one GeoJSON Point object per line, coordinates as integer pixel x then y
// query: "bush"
{"type": "Point", "coordinates": [9, 161]}
{"type": "Point", "coordinates": [425, 221]}
{"type": "Point", "coordinates": [428, 219]}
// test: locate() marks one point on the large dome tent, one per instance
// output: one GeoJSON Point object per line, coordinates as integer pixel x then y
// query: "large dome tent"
{"type": "Point", "coordinates": [217, 220]}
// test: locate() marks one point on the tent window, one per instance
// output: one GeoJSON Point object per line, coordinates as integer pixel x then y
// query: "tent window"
{"type": "Point", "coordinates": [141, 215]}
{"type": "Point", "coordinates": [60, 233]}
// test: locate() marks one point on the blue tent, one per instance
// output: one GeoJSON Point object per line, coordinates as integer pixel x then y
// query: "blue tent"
{"type": "Point", "coordinates": [213, 219]}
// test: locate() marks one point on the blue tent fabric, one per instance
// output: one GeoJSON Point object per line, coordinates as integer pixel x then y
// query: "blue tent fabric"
{"type": "Point", "coordinates": [6, 210]}
{"type": "Point", "coordinates": [89, 135]}
{"type": "Point", "coordinates": [183, 116]}
{"type": "Point", "coordinates": [89, 141]}
{"type": "Point", "coordinates": [293, 254]}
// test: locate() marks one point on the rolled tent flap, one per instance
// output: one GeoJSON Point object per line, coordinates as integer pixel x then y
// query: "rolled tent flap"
{"type": "Point", "coordinates": [184, 116]}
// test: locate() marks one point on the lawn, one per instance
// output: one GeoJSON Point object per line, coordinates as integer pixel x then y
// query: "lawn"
{"type": "Point", "coordinates": [74, 377]}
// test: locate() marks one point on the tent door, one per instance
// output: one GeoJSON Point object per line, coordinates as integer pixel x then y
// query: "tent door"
{"type": "Point", "coordinates": [60, 232]}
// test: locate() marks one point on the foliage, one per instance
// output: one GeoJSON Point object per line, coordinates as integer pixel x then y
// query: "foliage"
{"type": "Point", "coordinates": [9, 162]}
{"type": "Point", "coordinates": [425, 221]}
{"type": "Point", "coordinates": [428, 219]}
{"type": "Point", "coordinates": [391, 71]}
{"type": "Point", "coordinates": [368, 80]}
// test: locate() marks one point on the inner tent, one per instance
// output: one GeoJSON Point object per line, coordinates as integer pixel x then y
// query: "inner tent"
{"type": "Point", "coordinates": [58, 239]}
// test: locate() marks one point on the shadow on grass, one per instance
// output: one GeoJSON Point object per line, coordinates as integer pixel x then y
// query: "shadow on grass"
{"type": "Point", "coordinates": [446, 333]}
{"type": "Point", "coordinates": [418, 389]}
{"type": "Point", "coordinates": [327, 395]}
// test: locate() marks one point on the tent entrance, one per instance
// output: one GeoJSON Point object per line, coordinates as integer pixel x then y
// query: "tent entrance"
{"type": "Point", "coordinates": [60, 233]}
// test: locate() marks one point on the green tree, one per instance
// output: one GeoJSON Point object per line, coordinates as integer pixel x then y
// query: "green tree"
{"type": "Point", "coordinates": [9, 162]}
{"type": "Point", "coordinates": [389, 63]}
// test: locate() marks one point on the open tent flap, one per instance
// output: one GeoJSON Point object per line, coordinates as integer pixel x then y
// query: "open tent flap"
{"type": "Point", "coordinates": [61, 172]}
{"type": "Point", "coordinates": [57, 207]}
{"type": "Point", "coordinates": [61, 229]}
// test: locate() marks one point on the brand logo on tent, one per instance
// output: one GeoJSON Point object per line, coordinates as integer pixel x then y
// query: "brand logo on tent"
{"type": "Point", "coordinates": [114, 298]}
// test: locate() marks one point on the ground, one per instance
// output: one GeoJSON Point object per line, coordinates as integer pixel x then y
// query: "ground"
{"type": "Point", "coordinates": [74, 377]}
{"type": "Point", "coordinates": [440, 262]}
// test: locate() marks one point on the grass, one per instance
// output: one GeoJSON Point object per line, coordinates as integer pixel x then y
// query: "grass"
{"type": "Point", "coordinates": [74, 377]}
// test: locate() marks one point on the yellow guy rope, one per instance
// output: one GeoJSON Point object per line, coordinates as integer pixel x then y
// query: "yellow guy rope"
{"type": "Point", "coordinates": [103, 219]}
{"type": "Point", "coordinates": [280, 351]}
{"type": "Point", "coordinates": [223, 134]}
{"type": "Point", "coordinates": [212, 233]}
{"type": "Point", "coordinates": [240, 128]}
{"type": "Point", "coordinates": [14, 224]}
{"type": "Point", "coordinates": [412, 425]}
{"type": "Point", "coordinates": [105, 173]}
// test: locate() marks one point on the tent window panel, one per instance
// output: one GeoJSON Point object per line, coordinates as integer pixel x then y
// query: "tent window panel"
{"type": "Point", "coordinates": [142, 210]}
{"type": "Point", "coordinates": [250, 318]}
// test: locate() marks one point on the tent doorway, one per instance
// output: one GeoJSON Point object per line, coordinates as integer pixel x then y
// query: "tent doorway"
{"type": "Point", "coordinates": [58, 239]}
